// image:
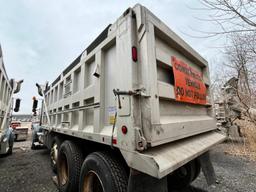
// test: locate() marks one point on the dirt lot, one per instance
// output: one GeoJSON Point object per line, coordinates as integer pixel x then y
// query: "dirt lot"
{"type": "Point", "coordinates": [26, 170]}
{"type": "Point", "coordinates": [234, 174]}
{"type": "Point", "coordinates": [29, 171]}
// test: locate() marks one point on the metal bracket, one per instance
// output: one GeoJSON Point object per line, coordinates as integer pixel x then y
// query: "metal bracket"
{"type": "Point", "coordinates": [141, 143]}
{"type": "Point", "coordinates": [140, 92]}
{"type": "Point", "coordinates": [97, 71]}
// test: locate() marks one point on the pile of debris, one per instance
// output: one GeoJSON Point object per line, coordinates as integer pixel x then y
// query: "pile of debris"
{"type": "Point", "coordinates": [228, 109]}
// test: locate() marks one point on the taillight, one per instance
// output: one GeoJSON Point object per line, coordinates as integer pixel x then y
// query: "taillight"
{"type": "Point", "coordinates": [114, 141]}
{"type": "Point", "coordinates": [134, 54]}
{"type": "Point", "coordinates": [124, 129]}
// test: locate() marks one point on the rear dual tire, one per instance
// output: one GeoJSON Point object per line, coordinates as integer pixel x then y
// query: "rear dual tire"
{"type": "Point", "coordinates": [102, 173]}
{"type": "Point", "coordinates": [70, 159]}
{"type": "Point", "coordinates": [99, 172]}
{"type": "Point", "coordinates": [34, 139]}
{"type": "Point", "coordinates": [182, 177]}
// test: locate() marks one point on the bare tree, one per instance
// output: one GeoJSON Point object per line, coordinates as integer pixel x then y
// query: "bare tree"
{"type": "Point", "coordinates": [219, 77]}
{"type": "Point", "coordinates": [241, 59]}
{"type": "Point", "coordinates": [237, 22]}
{"type": "Point", "coordinates": [233, 16]}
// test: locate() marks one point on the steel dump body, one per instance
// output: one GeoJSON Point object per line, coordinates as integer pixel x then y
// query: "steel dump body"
{"type": "Point", "coordinates": [6, 91]}
{"type": "Point", "coordinates": [133, 58]}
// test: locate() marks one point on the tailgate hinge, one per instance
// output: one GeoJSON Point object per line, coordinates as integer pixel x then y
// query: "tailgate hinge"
{"type": "Point", "coordinates": [141, 143]}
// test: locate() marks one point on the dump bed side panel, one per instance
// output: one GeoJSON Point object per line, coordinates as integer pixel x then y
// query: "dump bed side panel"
{"type": "Point", "coordinates": [82, 103]}
{"type": "Point", "coordinates": [5, 90]}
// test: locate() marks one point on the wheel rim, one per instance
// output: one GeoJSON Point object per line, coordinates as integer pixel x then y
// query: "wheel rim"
{"type": "Point", "coordinates": [54, 153]}
{"type": "Point", "coordinates": [63, 169]}
{"type": "Point", "coordinates": [92, 183]}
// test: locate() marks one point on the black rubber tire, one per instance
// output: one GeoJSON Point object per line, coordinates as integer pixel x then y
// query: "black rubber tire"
{"type": "Point", "coordinates": [33, 147]}
{"type": "Point", "coordinates": [15, 137]}
{"type": "Point", "coordinates": [11, 142]}
{"type": "Point", "coordinates": [34, 139]}
{"type": "Point", "coordinates": [177, 180]}
{"type": "Point", "coordinates": [70, 155]}
{"type": "Point", "coordinates": [10, 150]}
{"type": "Point", "coordinates": [109, 171]}
{"type": "Point", "coordinates": [58, 141]}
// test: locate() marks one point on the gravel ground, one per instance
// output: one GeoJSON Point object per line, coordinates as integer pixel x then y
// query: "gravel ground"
{"type": "Point", "coordinates": [234, 174]}
{"type": "Point", "coordinates": [29, 171]}
{"type": "Point", "coordinates": [26, 170]}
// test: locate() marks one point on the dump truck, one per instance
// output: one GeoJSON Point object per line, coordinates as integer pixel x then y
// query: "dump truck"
{"type": "Point", "coordinates": [133, 112]}
{"type": "Point", "coordinates": [20, 130]}
{"type": "Point", "coordinates": [7, 89]}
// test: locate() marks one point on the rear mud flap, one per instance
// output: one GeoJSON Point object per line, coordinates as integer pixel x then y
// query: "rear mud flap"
{"type": "Point", "coordinates": [207, 168]}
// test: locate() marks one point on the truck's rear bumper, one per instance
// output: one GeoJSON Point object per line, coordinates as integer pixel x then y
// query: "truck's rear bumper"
{"type": "Point", "coordinates": [21, 134]}
{"type": "Point", "coordinates": [162, 160]}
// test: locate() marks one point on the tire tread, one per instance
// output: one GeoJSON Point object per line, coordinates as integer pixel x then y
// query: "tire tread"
{"type": "Point", "coordinates": [116, 169]}
{"type": "Point", "coordinates": [77, 157]}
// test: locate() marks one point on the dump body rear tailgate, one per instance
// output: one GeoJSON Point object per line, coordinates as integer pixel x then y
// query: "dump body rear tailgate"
{"type": "Point", "coordinates": [177, 102]}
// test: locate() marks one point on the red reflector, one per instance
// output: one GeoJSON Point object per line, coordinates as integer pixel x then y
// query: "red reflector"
{"type": "Point", "coordinates": [114, 141]}
{"type": "Point", "coordinates": [134, 54]}
{"type": "Point", "coordinates": [124, 129]}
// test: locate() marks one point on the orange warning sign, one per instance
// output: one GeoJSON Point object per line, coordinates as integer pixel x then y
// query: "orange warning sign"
{"type": "Point", "coordinates": [189, 86]}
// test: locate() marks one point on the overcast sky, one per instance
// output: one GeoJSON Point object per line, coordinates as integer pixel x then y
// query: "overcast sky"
{"type": "Point", "coordinates": [40, 38]}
